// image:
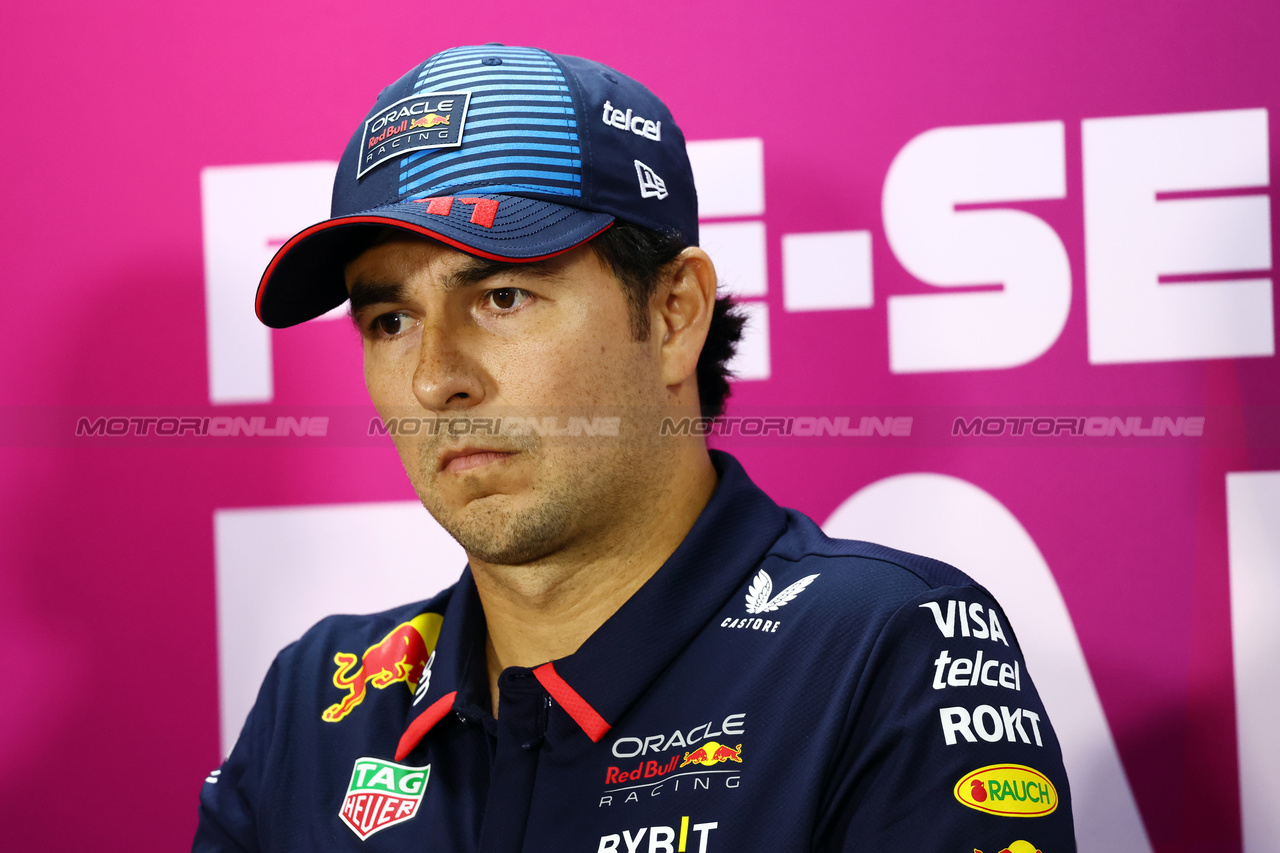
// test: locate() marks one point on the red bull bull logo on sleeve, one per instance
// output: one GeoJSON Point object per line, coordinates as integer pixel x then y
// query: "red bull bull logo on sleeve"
{"type": "Point", "coordinates": [399, 656]}
{"type": "Point", "coordinates": [712, 753]}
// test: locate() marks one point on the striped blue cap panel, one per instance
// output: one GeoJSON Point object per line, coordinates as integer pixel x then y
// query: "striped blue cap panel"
{"type": "Point", "coordinates": [521, 132]}
{"type": "Point", "coordinates": [536, 152]}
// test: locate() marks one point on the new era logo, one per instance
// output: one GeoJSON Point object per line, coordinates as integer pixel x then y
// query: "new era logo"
{"type": "Point", "coordinates": [651, 186]}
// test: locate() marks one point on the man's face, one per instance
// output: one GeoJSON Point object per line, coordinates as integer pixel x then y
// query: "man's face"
{"type": "Point", "coordinates": [445, 335]}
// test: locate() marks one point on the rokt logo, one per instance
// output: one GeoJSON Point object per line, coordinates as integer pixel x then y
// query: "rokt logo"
{"type": "Point", "coordinates": [382, 794]}
{"type": "Point", "coordinates": [1011, 790]}
{"type": "Point", "coordinates": [399, 656]}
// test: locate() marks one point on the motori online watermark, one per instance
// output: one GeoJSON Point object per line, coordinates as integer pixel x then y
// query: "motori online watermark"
{"type": "Point", "coordinates": [552, 426]}
{"type": "Point", "coordinates": [214, 426]}
{"type": "Point", "coordinates": [745, 426]}
{"type": "Point", "coordinates": [802, 426]}
{"type": "Point", "coordinates": [351, 425]}
{"type": "Point", "coordinates": [1092, 426]}
{"type": "Point", "coordinates": [510, 425]}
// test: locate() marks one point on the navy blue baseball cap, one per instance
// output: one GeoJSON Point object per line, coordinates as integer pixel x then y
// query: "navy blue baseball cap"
{"type": "Point", "coordinates": [507, 153]}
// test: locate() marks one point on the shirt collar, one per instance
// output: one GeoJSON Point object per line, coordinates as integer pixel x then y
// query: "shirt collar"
{"type": "Point", "coordinates": [459, 675]}
{"type": "Point", "coordinates": [617, 663]}
{"type": "Point", "coordinates": [460, 664]}
{"type": "Point", "coordinates": [613, 668]}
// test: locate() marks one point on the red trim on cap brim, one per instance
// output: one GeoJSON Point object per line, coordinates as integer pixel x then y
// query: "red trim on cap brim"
{"type": "Point", "coordinates": [397, 223]}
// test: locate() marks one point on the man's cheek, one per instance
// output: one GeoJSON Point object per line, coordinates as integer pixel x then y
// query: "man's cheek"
{"type": "Point", "coordinates": [388, 375]}
{"type": "Point", "coordinates": [415, 458]}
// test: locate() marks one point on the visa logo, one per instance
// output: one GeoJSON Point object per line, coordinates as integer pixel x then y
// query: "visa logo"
{"type": "Point", "coordinates": [975, 620]}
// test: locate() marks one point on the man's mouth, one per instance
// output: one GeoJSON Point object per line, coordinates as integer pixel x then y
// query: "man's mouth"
{"type": "Point", "coordinates": [460, 459]}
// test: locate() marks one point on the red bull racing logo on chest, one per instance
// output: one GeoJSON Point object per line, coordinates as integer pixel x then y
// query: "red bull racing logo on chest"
{"type": "Point", "coordinates": [400, 656]}
{"type": "Point", "coordinates": [692, 767]}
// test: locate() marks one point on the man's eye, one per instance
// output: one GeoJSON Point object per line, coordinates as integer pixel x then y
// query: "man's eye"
{"type": "Point", "coordinates": [507, 298]}
{"type": "Point", "coordinates": [390, 325]}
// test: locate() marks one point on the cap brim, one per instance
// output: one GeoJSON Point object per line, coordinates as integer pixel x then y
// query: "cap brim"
{"type": "Point", "coordinates": [305, 278]}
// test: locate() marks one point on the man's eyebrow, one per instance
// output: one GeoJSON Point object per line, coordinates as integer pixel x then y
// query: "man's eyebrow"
{"type": "Point", "coordinates": [480, 269]}
{"type": "Point", "coordinates": [366, 292]}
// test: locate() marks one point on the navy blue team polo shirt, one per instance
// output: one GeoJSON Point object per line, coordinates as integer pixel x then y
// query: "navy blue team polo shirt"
{"type": "Point", "coordinates": [769, 689]}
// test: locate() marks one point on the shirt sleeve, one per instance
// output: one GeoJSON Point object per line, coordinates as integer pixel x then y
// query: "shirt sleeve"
{"type": "Point", "coordinates": [230, 796]}
{"type": "Point", "coordinates": [949, 746]}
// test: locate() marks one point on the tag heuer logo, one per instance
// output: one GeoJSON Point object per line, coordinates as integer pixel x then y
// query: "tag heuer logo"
{"type": "Point", "coordinates": [381, 794]}
{"type": "Point", "coordinates": [758, 600]}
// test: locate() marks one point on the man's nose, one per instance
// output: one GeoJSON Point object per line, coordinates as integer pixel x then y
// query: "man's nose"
{"type": "Point", "coordinates": [445, 377]}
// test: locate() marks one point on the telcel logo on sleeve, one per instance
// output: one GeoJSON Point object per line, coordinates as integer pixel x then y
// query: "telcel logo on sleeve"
{"type": "Point", "coordinates": [431, 120]}
{"type": "Point", "coordinates": [381, 794]}
{"type": "Point", "coordinates": [1012, 790]}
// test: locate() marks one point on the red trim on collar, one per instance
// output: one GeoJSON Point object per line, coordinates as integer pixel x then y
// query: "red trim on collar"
{"type": "Point", "coordinates": [422, 724]}
{"type": "Point", "coordinates": [583, 714]}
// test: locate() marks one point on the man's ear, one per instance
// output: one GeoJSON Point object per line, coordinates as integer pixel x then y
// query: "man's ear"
{"type": "Point", "coordinates": [681, 314]}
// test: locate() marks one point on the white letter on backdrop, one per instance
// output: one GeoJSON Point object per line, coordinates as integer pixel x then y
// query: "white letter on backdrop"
{"type": "Point", "coordinates": [1131, 238]}
{"type": "Point", "coordinates": [942, 246]}
{"type": "Point", "coordinates": [246, 209]}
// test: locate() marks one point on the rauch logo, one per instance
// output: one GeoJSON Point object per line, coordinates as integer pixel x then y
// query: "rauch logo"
{"type": "Point", "coordinates": [1012, 790]}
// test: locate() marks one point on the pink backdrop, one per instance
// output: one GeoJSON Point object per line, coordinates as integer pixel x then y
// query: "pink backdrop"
{"type": "Point", "coordinates": [108, 622]}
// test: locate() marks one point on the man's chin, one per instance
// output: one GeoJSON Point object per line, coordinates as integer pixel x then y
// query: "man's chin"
{"type": "Point", "coordinates": [503, 529]}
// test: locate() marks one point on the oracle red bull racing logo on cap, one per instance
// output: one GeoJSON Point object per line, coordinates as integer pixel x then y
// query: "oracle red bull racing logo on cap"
{"type": "Point", "coordinates": [415, 123]}
{"type": "Point", "coordinates": [400, 656]}
{"type": "Point", "coordinates": [382, 794]}
{"type": "Point", "coordinates": [1011, 790]}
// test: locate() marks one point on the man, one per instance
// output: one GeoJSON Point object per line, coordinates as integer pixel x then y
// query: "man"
{"type": "Point", "coordinates": [645, 653]}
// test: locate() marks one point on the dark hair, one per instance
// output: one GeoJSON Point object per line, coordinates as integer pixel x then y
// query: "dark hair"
{"type": "Point", "coordinates": [638, 257]}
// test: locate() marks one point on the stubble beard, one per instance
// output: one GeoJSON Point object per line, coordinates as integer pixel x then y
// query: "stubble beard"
{"type": "Point", "coordinates": [500, 535]}
{"type": "Point", "coordinates": [559, 505]}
